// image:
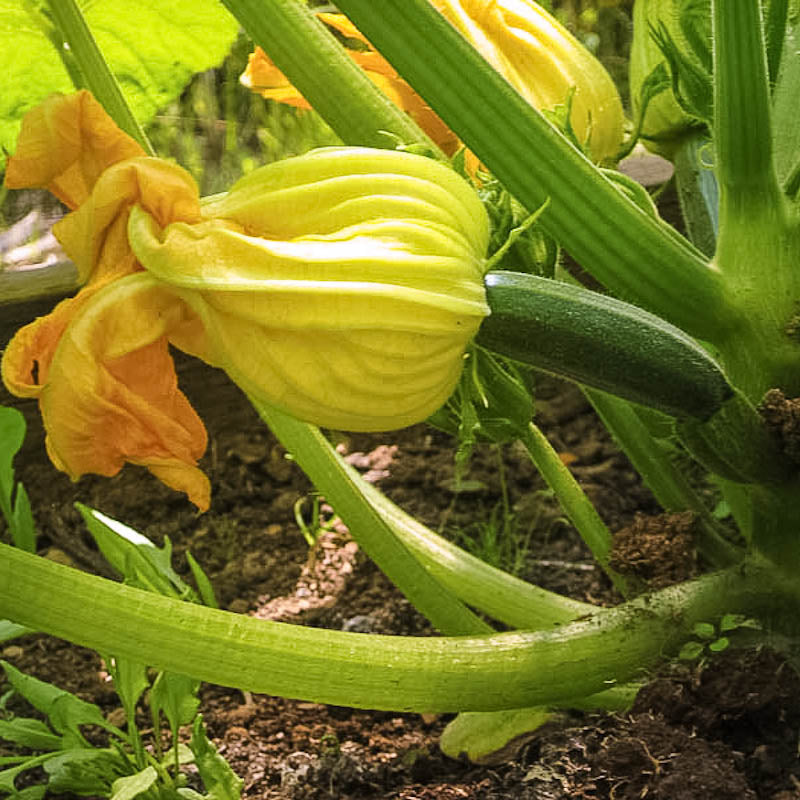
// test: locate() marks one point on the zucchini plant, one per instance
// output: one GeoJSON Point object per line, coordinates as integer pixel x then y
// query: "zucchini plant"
{"type": "Point", "coordinates": [706, 341]}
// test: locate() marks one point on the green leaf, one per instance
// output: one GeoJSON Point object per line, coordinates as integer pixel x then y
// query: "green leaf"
{"type": "Point", "coordinates": [84, 771]}
{"type": "Point", "coordinates": [480, 735]}
{"type": "Point", "coordinates": [152, 48]}
{"type": "Point", "coordinates": [133, 785]}
{"type": "Point", "coordinates": [704, 630]}
{"type": "Point", "coordinates": [719, 645]}
{"type": "Point", "coordinates": [176, 696]}
{"type": "Point", "coordinates": [23, 531]}
{"type": "Point", "coordinates": [31, 793]}
{"type": "Point", "coordinates": [691, 651]}
{"type": "Point", "coordinates": [204, 586]}
{"type": "Point", "coordinates": [12, 434]}
{"type": "Point", "coordinates": [14, 504]}
{"type": "Point", "coordinates": [29, 732]}
{"type": "Point", "coordinates": [65, 711]}
{"type": "Point", "coordinates": [130, 681]}
{"type": "Point", "coordinates": [731, 622]}
{"type": "Point", "coordinates": [10, 630]}
{"type": "Point", "coordinates": [135, 557]}
{"type": "Point", "coordinates": [221, 782]}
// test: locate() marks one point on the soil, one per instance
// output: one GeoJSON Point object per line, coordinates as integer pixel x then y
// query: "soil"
{"type": "Point", "coordinates": [725, 727]}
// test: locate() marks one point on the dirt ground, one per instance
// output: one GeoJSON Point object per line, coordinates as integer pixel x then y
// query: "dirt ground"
{"type": "Point", "coordinates": [724, 729]}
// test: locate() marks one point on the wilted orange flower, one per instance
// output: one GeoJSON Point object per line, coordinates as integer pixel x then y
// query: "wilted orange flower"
{"type": "Point", "coordinates": [524, 43]}
{"type": "Point", "coordinates": [101, 370]}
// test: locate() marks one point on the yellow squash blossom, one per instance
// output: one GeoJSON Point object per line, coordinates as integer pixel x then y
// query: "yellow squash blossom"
{"type": "Point", "coordinates": [102, 373]}
{"type": "Point", "coordinates": [524, 43]}
{"type": "Point", "coordinates": [342, 287]}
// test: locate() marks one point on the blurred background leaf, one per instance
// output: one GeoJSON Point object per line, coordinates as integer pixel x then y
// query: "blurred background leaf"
{"type": "Point", "coordinates": [153, 48]}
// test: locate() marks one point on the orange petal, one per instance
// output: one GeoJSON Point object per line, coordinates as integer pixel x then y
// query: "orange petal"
{"type": "Point", "coordinates": [64, 145]}
{"type": "Point", "coordinates": [26, 361]}
{"type": "Point", "coordinates": [95, 236]}
{"type": "Point", "coordinates": [109, 393]}
{"type": "Point", "coordinates": [262, 76]}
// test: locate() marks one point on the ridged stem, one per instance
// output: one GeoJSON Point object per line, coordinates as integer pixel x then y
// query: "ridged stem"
{"type": "Point", "coordinates": [507, 670]}
{"type": "Point", "coordinates": [634, 255]}
{"type": "Point", "coordinates": [318, 67]}
{"type": "Point", "coordinates": [742, 106]}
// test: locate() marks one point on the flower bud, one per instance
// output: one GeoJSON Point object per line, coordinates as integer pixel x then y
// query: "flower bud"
{"type": "Point", "coordinates": [342, 286]}
{"type": "Point", "coordinates": [658, 31]}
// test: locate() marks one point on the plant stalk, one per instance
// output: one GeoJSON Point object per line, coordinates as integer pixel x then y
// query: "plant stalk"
{"type": "Point", "coordinates": [669, 485]}
{"type": "Point", "coordinates": [577, 506]}
{"type": "Point", "coordinates": [503, 597]}
{"type": "Point", "coordinates": [317, 65]}
{"type": "Point", "coordinates": [742, 104]}
{"type": "Point", "coordinates": [445, 674]}
{"type": "Point", "coordinates": [319, 461]}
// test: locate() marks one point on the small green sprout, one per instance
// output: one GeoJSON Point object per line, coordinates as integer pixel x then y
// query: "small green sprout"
{"type": "Point", "coordinates": [712, 638]}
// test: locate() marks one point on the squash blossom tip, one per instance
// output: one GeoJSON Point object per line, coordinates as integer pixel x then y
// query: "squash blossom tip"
{"type": "Point", "coordinates": [540, 58]}
{"type": "Point", "coordinates": [342, 286]}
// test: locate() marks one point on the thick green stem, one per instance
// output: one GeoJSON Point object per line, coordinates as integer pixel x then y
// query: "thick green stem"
{"type": "Point", "coordinates": [507, 670]}
{"type": "Point", "coordinates": [317, 65]}
{"type": "Point", "coordinates": [633, 254]}
{"type": "Point", "coordinates": [759, 236]}
{"type": "Point", "coordinates": [319, 461]}
{"type": "Point", "coordinates": [503, 597]}
{"type": "Point", "coordinates": [95, 71]}
{"type": "Point", "coordinates": [577, 506]}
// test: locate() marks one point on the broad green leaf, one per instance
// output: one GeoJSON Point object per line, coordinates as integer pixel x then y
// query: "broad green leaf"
{"type": "Point", "coordinates": [133, 785]}
{"type": "Point", "coordinates": [29, 732]}
{"type": "Point", "coordinates": [153, 49]}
